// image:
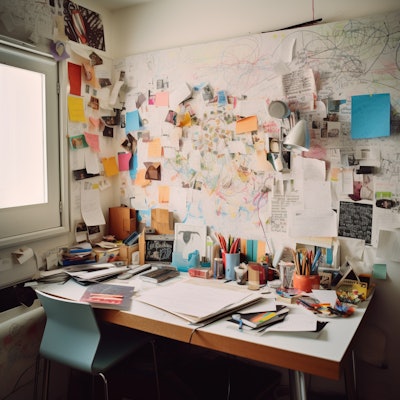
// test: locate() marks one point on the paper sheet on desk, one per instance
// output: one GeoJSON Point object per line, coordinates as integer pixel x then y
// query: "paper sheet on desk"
{"type": "Point", "coordinates": [296, 321]}
{"type": "Point", "coordinates": [196, 303]}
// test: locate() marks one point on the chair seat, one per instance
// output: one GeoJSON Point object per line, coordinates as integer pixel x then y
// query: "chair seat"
{"type": "Point", "coordinates": [75, 338]}
{"type": "Point", "coordinates": [116, 344]}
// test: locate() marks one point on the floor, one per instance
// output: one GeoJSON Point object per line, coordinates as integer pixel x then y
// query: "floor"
{"type": "Point", "coordinates": [188, 373]}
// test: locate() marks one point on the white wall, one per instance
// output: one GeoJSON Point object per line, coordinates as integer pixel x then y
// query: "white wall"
{"type": "Point", "coordinates": [109, 198]}
{"type": "Point", "coordinates": [161, 24]}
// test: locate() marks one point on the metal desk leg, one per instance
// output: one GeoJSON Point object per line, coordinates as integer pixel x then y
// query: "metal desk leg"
{"type": "Point", "coordinates": [297, 385]}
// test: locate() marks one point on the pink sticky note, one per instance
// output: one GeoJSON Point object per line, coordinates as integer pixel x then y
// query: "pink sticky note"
{"type": "Point", "coordinates": [162, 99]}
{"type": "Point", "coordinates": [123, 161]}
{"type": "Point", "coordinates": [93, 141]}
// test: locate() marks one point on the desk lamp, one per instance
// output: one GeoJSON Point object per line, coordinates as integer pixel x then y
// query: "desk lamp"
{"type": "Point", "coordinates": [298, 137]}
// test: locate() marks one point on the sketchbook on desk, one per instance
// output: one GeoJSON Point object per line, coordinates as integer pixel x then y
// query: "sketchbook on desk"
{"type": "Point", "coordinates": [258, 320]}
{"type": "Point", "coordinates": [197, 303]}
{"type": "Point", "coordinates": [105, 295]}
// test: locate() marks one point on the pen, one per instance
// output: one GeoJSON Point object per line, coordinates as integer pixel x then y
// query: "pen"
{"type": "Point", "coordinates": [238, 318]}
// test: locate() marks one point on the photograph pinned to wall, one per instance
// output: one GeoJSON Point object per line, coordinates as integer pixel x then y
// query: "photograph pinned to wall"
{"type": "Point", "coordinates": [189, 238]}
{"type": "Point", "coordinates": [153, 171]}
{"type": "Point", "coordinates": [95, 234]}
{"type": "Point", "coordinates": [81, 232]}
{"type": "Point", "coordinates": [108, 131]}
{"type": "Point", "coordinates": [83, 25]}
{"type": "Point", "coordinates": [78, 142]}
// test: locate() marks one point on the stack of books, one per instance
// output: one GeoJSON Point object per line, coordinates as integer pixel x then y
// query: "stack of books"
{"type": "Point", "coordinates": [80, 253]}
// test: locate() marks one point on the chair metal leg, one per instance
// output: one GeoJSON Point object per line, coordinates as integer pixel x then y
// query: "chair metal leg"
{"type": "Point", "coordinates": [297, 385]}
{"type": "Point", "coordinates": [46, 379]}
{"type": "Point", "coordinates": [153, 345]}
{"type": "Point", "coordinates": [37, 373]}
{"type": "Point", "coordinates": [105, 385]}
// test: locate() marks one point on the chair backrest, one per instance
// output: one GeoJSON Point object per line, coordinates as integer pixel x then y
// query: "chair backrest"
{"type": "Point", "coordinates": [71, 335]}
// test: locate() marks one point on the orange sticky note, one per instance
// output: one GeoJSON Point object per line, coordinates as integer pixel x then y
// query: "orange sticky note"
{"type": "Point", "coordinates": [140, 179]}
{"type": "Point", "coordinates": [247, 124]}
{"type": "Point", "coordinates": [110, 166]}
{"type": "Point", "coordinates": [155, 149]}
{"type": "Point", "coordinates": [163, 194]}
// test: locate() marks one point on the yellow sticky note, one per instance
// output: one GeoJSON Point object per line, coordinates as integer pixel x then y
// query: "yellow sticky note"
{"type": "Point", "coordinates": [76, 109]}
{"type": "Point", "coordinates": [185, 120]}
{"type": "Point", "coordinates": [110, 166]}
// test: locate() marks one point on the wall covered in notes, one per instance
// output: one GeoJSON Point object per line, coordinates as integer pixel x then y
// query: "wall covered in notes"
{"type": "Point", "coordinates": [198, 115]}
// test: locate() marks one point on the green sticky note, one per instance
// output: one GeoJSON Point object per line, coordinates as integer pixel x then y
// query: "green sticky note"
{"type": "Point", "coordinates": [379, 271]}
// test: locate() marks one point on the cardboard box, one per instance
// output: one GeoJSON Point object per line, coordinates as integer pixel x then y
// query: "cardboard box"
{"type": "Point", "coordinates": [162, 221]}
{"type": "Point", "coordinates": [125, 252]}
{"type": "Point", "coordinates": [122, 222]}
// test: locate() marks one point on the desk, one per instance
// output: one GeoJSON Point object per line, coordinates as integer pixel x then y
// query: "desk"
{"type": "Point", "coordinates": [327, 354]}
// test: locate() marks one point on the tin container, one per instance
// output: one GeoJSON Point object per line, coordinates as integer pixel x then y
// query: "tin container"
{"type": "Point", "coordinates": [218, 268]}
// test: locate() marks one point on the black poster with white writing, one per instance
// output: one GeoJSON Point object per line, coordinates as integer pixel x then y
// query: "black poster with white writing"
{"type": "Point", "coordinates": [355, 220]}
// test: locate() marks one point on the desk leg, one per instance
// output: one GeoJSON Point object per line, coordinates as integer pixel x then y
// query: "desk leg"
{"type": "Point", "coordinates": [297, 385]}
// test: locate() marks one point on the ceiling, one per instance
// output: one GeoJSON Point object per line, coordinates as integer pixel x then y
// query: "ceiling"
{"type": "Point", "coordinates": [113, 5]}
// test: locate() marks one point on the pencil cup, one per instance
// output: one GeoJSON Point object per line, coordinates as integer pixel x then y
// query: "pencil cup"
{"type": "Point", "coordinates": [306, 282]}
{"type": "Point", "coordinates": [232, 260]}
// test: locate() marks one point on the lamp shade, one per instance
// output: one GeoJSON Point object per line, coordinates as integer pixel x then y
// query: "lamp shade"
{"type": "Point", "coordinates": [298, 137]}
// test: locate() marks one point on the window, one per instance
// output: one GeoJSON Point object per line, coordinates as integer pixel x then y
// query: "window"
{"type": "Point", "coordinates": [31, 164]}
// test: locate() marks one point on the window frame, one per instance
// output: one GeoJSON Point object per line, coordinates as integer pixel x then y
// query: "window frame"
{"type": "Point", "coordinates": [57, 159]}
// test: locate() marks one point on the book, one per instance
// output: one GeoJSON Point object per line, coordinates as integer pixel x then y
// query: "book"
{"type": "Point", "coordinates": [93, 273]}
{"type": "Point", "coordinates": [159, 275]}
{"type": "Point", "coordinates": [260, 319]}
{"type": "Point", "coordinates": [106, 295]}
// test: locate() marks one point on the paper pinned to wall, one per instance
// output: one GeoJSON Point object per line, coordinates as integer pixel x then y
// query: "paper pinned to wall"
{"type": "Point", "coordinates": [388, 245]}
{"type": "Point", "coordinates": [76, 109]}
{"type": "Point", "coordinates": [312, 223]}
{"type": "Point", "coordinates": [23, 254]}
{"type": "Point", "coordinates": [370, 116]}
{"type": "Point", "coordinates": [90, 207]}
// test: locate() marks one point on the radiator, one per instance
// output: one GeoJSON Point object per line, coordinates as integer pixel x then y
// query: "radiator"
{"type": "Point", "coordinates": [21, 330]}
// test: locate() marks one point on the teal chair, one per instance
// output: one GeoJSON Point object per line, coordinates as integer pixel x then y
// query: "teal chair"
{"type": "Point", "coordinates": [73, 337]}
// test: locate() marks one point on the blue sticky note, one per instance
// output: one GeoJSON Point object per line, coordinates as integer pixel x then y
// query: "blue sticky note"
{"type": "Point", "coordinates": [133, 121]}
{"type": "Point", "coordinates": [370, 116]}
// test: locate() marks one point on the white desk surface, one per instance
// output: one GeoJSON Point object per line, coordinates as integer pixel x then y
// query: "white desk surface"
{"type": "Point", "coordinates": [320, 353]}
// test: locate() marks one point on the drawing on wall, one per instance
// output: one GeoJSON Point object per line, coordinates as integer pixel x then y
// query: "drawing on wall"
{"type": "Point", "coordinates": [189, 238]}
{"type": "Point", "coordinates": [217, 176]}
{"type": "Point", "coordinates": [83, 25]}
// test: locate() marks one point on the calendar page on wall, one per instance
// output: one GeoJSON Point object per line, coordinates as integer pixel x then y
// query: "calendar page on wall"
{"type": "Point", "coordinates": [205, 146]}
